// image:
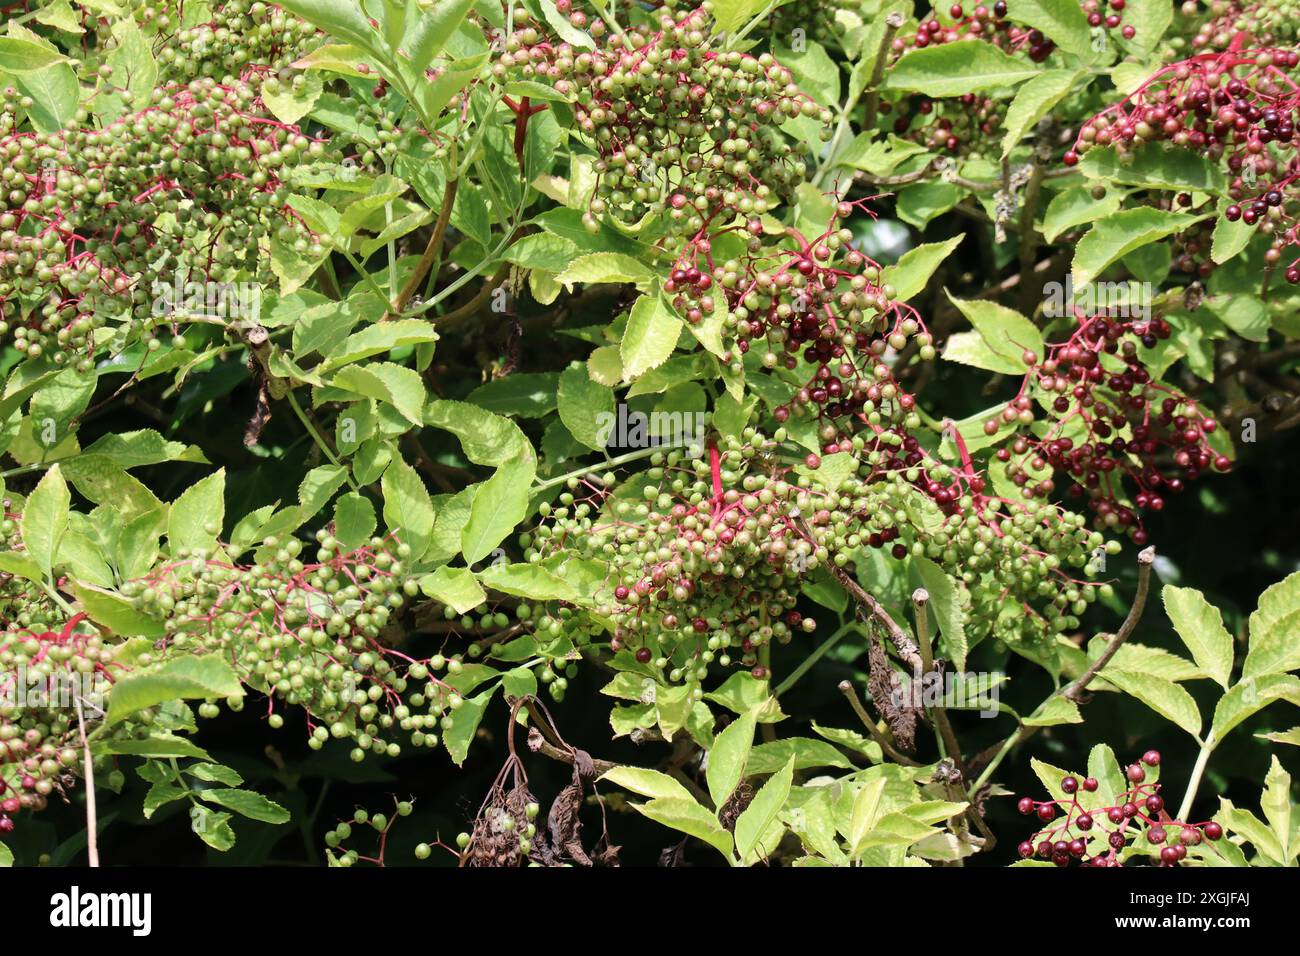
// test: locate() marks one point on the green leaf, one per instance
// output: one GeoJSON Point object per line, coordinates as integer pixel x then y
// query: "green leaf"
{"type": "Point", "coordinates": [26, 56]}
{"type": "Point", "coordinates": [1057, 710]}
{"type": "Point", "coordinates": [1245, 824]}
{"type": "Point", "coordinates": [486, 438]}
{"type": "Point", "coordinates": [921, 202]}
{"type": "Point", "coordinates": [464, 725]}
{"type": "Point", "coordinates": [954, 69]}
{"type": "Point", "coordinates": [1149, 19]}
{"type": "Point", "coordinates": [726, 761]}
{"type": "Point", "coordinates": [429, 30]}
{"type": "Point", "coordinates": [196, 517]}
{"type": "Point", "coordinates": [805, 751]}
{"type": "Point", "coordinates": [408, 511]}
{"type": "Point", "coordinates": [731, 15]}
{"type": "Point", "coordinates": [1153, 166]}
{"type": "Point", "coordinates": [684, 815]}
{"type": "Point", "coordinates": [21, 564]}
{"type": "Point", "coordinates": [1115, 237]}
{"type": "Point", "coordinates": [158, 746]}
{"type": "Point", "coordinates": [753, 824]}
{"type": "Point", "coordinates": [396, 385]}
{"type": "Point", "coordinates": [45, 519]}
{"type": "Point", "coordinates": [1035, 100]}
{"type": "Point", "coordinates": [1075, 207]}
{"type": "Point", "coordinates": [647, 783]}
{"type": "Point", "coordinates": [586, 408]}
{"type": "Point", "coordinates": [865, 813]}
{"type": "Point", "coordinates": [1273, 648]}
{"type": "Point", "coordinates": [912, 272]}
{"type": "Point", "coordinates": [1061, 21]}
{"type": "Point", "coordinates": [354, 520]}
{"type": "Point", "coordinates": [1166, 698]}
{"type": "Point", "coordinates": [1276, 804]}
{"type": "Point", "coordinates": [1004, 335]}
{"type": "Point", "coordinates": [519, 395]}
{"type": "Point", "coordinates": [542, 251]}
{"type": "Point", "coordinates": [1251, 695]}
{"type": "Point", "coordinates": [605, 267]}
{"type": "Point", "coordinates": [205, 677]}
{"type": "Point", "coordinates": [945, 599]}
{"type": "Point", "coordinates": [500, 505]}
{"type": "Point", "coordinates": [649, 338]}
{"type": "Point", "coordinates": [375, 339]}
{"type": "Point", "coordinates": [212, 828]}
{"type": "Point", "coordinates": [1200, 626]}
{"type": "Point", "coordinates": [115, 612]}
{"type": "Point", "coordinates": [339, 18]}
{"type": "Point", "coordinates": [528, 581]}
{"type": "Point", "coordinates": [247, 803]}
{"type": "Point", "coordinates": [1230, 238]}
{"type": "Point", "coordinates": [455, 587]}
{"type": "Point", "coordinates": [318, 486]}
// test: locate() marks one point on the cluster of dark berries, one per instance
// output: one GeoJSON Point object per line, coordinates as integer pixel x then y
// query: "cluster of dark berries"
{"type": "Point", "coordinates": [685, 132]}
{"type": "Point", "coordinates": [1237, 107]}
{"type": "Point", "coordinates": [1109, 419]}
{"type": "Point", "coordinates": [985, 22]}
{"type": "Point", "coordinates": [1109, 831]}
{"type": "Point", "coordinates": [93, 222]}
{"type": "Point", "coordinates": [822, 301]}
{"type": "Point", "coordinates": [958, 126]}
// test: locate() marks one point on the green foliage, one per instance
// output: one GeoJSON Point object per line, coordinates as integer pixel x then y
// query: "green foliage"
{"type": "Point", "coordinates": [396, 367]}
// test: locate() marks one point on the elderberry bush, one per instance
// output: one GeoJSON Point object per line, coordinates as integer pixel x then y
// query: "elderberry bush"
{"type": "Point", "coordinates": [557, 433]}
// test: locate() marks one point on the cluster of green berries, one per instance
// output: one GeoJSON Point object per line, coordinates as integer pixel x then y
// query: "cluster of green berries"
{"type": "Point", "coordinates": [381, 823]}
{"type": "Point", "coordinates": [307, 634]}
{"type": "Point", "coordinates": [242, 40]}
{"type": "Point", "coordinates": [705, 557]}
{"type": "Point", "coordinates": [93, 222]}
{"type": "Point", "coordinates": [1262, 22]}
{"type": "Point", "coordinates": [686, 132]}
{"type": "Point", "coordinates": [45, 678]}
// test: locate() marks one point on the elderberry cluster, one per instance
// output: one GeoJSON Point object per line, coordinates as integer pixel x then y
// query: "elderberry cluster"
{"type": "Point", "coordinates": [704, 557]}
{"type": "Point", "coordinates": [683, 129]}
{"type": "Point", "coordinates": [1140, 824]}
{"type": "Point", "coordinates": [1262, 23]}
{"type": "Point", "coordinates": [308, 634]}
{"type": "Point", "coordinates": [23, 603]}
{"type": "Point", "coordinates": [1110, 419]}
{"type": "Point", "coordinates": [1237, 107]}
{"type": "Point", "coordinates": [958, 126]}
{"type": "Point", "coordinates": [92, 221]}
{"type": "Point", "coordinates": [824, 302]}
{"type": "Point", "coordinates": [46, 679]}
{"type": "Point", "coordinates": [988, 22]}
{"type": "Point", "coordinates": [242, 40]}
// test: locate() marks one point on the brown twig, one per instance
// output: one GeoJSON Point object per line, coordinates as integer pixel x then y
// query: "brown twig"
{"type": "Point", "coordinates": [905, 646]}
{"type": "Point", "coordinates": [430, 251]}
{"type": "Point", "coordinates": [1145, 560]}
{"type": "Point", "coordinates": [846, 688]}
